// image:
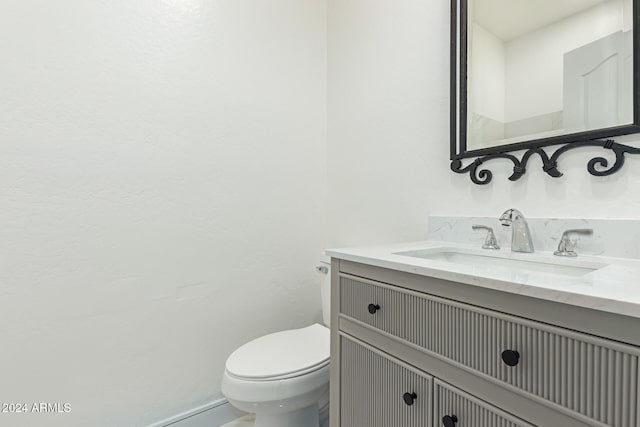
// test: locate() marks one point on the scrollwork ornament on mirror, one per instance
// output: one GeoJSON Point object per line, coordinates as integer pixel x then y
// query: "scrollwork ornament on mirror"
{"type": "Point", "coordinates": [598, 166]}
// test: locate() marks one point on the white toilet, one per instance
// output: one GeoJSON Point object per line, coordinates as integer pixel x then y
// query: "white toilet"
{"type": "Point", "coordinates": [284, 377]}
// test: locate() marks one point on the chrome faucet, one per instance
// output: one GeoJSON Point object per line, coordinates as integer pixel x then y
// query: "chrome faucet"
{"type": "Point", "coordinates": [490, 242]}
{"type": "Point", "coordinates": [520, 234]}
{"type": "Point", "coordinates": [566, 246]}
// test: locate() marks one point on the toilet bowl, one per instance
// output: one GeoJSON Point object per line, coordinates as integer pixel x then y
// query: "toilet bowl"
{"type": "Point", "coordinates": [280, 377]}
{"type": "Point", "coordinates": [283, 377]}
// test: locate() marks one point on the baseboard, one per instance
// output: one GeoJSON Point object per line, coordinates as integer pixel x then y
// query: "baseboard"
{"type": "Point", "coordinates": [213, 414]}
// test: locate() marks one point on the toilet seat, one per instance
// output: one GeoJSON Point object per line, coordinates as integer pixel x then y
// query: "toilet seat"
{"type": "Point", "coordinates": [281, 355]}
{"type": "Point", "coordinates": [296, 374]}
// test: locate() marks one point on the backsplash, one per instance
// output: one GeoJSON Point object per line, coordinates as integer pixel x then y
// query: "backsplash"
{"type": "Point", "coordinates": [611, 237]}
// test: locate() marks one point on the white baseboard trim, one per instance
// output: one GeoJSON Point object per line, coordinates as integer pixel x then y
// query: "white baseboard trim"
{"type": "Point", "coordinates": [212, 414]}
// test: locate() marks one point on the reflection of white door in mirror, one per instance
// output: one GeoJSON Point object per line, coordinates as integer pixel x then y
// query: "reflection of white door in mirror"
{"type": "Point", "coordinates": [597, 84]}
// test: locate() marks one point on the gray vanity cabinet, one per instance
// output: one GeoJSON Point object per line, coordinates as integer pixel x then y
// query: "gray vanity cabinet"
{"type": "Point", "coordinates": [465, 410]}
{"type": "Point", "coordinates": [394, 333]}
{"type": "Point", "coordinates": [378, 391]}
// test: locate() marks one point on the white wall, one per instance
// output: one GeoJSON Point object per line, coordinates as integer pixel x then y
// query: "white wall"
{"type": "Point", "coordinates": [162, 197]}
{"type": "Point", "coordinates": [389, 136]}
{"type": "Point", "coordinates": [387, 115]}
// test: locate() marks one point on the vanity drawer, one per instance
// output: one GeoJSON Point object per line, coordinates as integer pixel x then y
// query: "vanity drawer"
{"type": "Point", "coordinates": [463, 410]}
{"type": "Point", "coordinates": [587, 375]}
{"type": "Point", "coordinates": [387, 305]}
{"type": "Point", "coordinates": [378, 391]}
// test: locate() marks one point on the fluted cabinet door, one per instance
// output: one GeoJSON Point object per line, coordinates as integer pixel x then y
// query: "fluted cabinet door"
{"type": "Point", "coordinates": [453, 407]}
{"type": "Point", "coordinates": [377, 391]}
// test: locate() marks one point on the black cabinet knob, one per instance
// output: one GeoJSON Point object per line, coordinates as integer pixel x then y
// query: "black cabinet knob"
{"type": "Point", "coordinates": [409, 398]}
{"type": "Point", "coordinates": [373, 308]}
{"type": "Point", "coordinates": [449, 421]}
{"type": "Point", "coordinates": [510, 357]}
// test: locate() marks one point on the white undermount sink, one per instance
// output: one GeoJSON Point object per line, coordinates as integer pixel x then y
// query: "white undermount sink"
{"type": "Point", "coordinates": [506, 260]}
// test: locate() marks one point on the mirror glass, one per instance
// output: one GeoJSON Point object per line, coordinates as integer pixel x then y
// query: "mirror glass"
{"type": "Point", "coordinates": [545, 68]}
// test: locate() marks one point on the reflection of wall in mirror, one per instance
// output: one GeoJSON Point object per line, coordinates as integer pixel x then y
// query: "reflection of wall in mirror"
{"type": "Point", "coordinates": [535, 61]}
{"type": "Point", "coordinates": [519, 95]}
{"type": "Point", "coordinates": [486, 82]}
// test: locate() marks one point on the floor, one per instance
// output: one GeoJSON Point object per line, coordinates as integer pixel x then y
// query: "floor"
{"type": "Point", "coordinates": [246, 421]}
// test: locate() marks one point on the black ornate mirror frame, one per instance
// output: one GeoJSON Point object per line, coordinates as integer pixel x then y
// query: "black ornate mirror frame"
{"type": "Point", "coordinates": [598, 166]}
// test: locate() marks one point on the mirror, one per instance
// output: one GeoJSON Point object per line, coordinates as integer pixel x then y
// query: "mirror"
{"type": "Point", "coordinates": [534, 73]}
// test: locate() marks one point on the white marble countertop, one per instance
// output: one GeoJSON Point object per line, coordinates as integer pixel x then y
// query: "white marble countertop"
{"type": "Point", "coordinates": [606, 284]}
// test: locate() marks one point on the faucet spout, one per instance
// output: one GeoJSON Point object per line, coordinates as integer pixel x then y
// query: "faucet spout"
{"type": "Point", "coordinates": [520, 234]}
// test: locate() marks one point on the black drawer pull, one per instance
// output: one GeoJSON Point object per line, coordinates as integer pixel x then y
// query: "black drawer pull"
{"type": "Point", "coordinates": [409, 398]}
{"type": "Point", "coordinates": [449, 421]}
{"type": "Point", "coordinates": [511, 357]}
{"type": "Point", "coordinates": [373, 308]}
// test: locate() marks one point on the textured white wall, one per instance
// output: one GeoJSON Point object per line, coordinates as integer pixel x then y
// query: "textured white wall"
{"type": "Point", "coordinates": [162, 197]}
{"type": "Point", "coordinates": [388, 136]}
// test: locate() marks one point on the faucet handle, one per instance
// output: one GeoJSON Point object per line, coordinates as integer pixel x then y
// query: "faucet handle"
{"type": "Point", "coordinates": [566, 245]}
{"type": "Point", "coordinates": [490, 242]}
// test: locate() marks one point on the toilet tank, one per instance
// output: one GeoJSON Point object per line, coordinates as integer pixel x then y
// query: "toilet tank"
{"type": "Point", "coordinates": [324, 268]}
